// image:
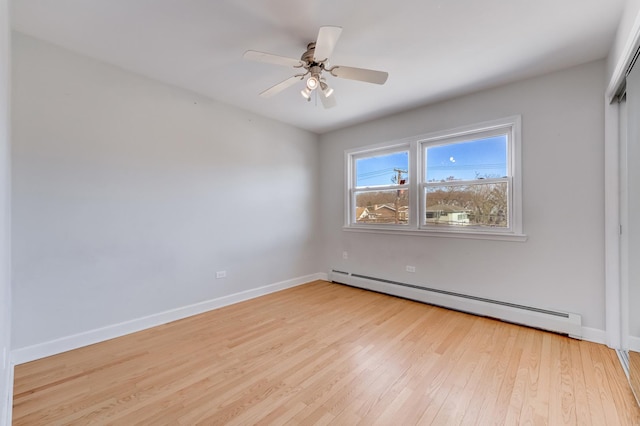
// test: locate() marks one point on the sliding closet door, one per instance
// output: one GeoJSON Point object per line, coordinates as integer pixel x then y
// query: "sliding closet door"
{"type": "Point", "coordinates": [631, 235]}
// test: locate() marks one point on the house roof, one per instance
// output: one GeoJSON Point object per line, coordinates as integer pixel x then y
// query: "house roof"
{"type": "Point", "coordinates": [445, 208]}
{"type": "Point", "coordinates": [360, 211]}
{"type": "Point", "coordinates": [384, 206]}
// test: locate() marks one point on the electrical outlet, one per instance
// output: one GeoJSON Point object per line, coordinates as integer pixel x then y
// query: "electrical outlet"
{"type": "Point", "coordinates": [221, 274]}
{"type": "Point", "coordinates": [410, 268]}
{"type": "Point", "coordinates": [345, 255]}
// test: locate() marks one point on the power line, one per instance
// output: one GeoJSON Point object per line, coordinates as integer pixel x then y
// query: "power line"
{"type": "Point", "coordinates": [467, 166]}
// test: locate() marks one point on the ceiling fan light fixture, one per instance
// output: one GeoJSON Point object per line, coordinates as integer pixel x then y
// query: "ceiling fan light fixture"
{"type": "Point", "coordinates": [328, 91]}
{"type": "Point", "coordinates": [306, 93]}
{"type": "Point", "coordinates": [312, 82]}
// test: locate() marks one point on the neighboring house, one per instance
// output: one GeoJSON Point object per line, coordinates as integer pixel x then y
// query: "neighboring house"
{"type": "Point", "coordinates": [382, 213]}
{"type": "Point", "coordinates": [447, 215]}
{"type": "Point", "coordinates": [362, 214]}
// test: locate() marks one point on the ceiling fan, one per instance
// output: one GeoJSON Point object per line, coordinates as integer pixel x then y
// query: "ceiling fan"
{"type": "Point", "coordinates": [312, 64]}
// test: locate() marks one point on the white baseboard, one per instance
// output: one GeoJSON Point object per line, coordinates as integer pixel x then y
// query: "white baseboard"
{"type": "Point", "coordinates": [6, 388]}
{"type": "Point", "coordinates": [53, 347]}
{"type": "Point", "coordinates": [594, 335]}
{"type": "Point", "coordinates": [7, 410]}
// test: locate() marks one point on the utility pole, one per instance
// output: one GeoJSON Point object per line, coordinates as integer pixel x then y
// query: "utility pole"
{"type": "Point", "coordinates": [399, 181]}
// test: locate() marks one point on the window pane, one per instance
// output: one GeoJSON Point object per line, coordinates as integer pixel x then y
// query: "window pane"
{"type": "Point", "coordinates": [382, 206]}
{"type": "Point", "coordinates": [468, 205]}
{"type": "Point", "coordinates": [469, 160]}
{"type": "Point", "coordinates": [386, 169]}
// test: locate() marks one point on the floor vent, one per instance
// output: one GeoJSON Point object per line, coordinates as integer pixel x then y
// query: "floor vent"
{"type": "Point", "coordinates": [559, 322]}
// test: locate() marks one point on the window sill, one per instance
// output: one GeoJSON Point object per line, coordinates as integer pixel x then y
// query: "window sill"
{"type": "Point", "coordinates": [439, 234]}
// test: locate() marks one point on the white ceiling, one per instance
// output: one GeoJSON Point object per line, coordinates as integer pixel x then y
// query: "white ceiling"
{"type": "Point", "coordinates": [432, 49]}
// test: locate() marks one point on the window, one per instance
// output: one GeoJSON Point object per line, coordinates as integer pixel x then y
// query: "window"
{"type": "Point", "coordinates": [379, 191]}
{"type": "Point", "coordinates": [466, 181]}
{"type": "Point", "coordinates": [468, 184]}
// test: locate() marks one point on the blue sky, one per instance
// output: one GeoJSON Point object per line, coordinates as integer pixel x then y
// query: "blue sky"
{"type": "Point", "coordinates": [486, 157]}
{"type": "Point", "coordinates": [372, 171]}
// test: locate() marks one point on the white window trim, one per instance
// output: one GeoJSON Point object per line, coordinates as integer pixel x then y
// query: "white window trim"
{"type": "Point", "coordinates": [379, 149]}
{"type": "Point", "coordinates": [416, 209]}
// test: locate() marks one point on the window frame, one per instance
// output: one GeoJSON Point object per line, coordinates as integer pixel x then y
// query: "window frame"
{"type": "Point", "coordinates": [352, 189]}
{"type": "Point", "coordinates": [417, 184]}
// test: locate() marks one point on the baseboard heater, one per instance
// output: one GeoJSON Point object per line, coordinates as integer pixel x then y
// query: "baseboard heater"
{"type": "Point", "coordinates": [558, 322]}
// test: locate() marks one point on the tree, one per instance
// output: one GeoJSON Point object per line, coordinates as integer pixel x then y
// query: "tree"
{"type": "Point", "coordinates": [487, 204]}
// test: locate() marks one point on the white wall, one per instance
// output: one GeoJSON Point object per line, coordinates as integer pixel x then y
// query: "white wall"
{"type": "Point", "coordinates": [5, 209]}
{"type": "Point", "coordinates": [129, 195]}
{"type": "Point", "coordinates": [561, 265]}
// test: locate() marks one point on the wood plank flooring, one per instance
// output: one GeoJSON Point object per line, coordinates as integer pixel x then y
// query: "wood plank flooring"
{"type": "Point", "coordinates": [325, 353]}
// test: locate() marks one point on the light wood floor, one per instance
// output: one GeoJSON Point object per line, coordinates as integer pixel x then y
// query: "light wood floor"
{"type": "Point", "coordinates": [325, 353]}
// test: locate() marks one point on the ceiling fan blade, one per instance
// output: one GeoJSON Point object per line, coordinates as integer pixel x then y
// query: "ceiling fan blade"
{"type": "Point", "coordinates": [360, 74]}
{"type": "Point", "coordinates": [280, 86]}
{"type": "Point", "coordinates": [326, 41]}
{"type": "Point", "coordinates": [268, 58]}
{"type": "Point", "coordinates": [327, 101]}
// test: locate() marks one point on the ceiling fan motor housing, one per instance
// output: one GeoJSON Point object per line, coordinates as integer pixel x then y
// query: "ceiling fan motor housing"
{"type": "Point", "coordinates": [307, 56]}
{"type": "Point", "coordinates": [314, 68]}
